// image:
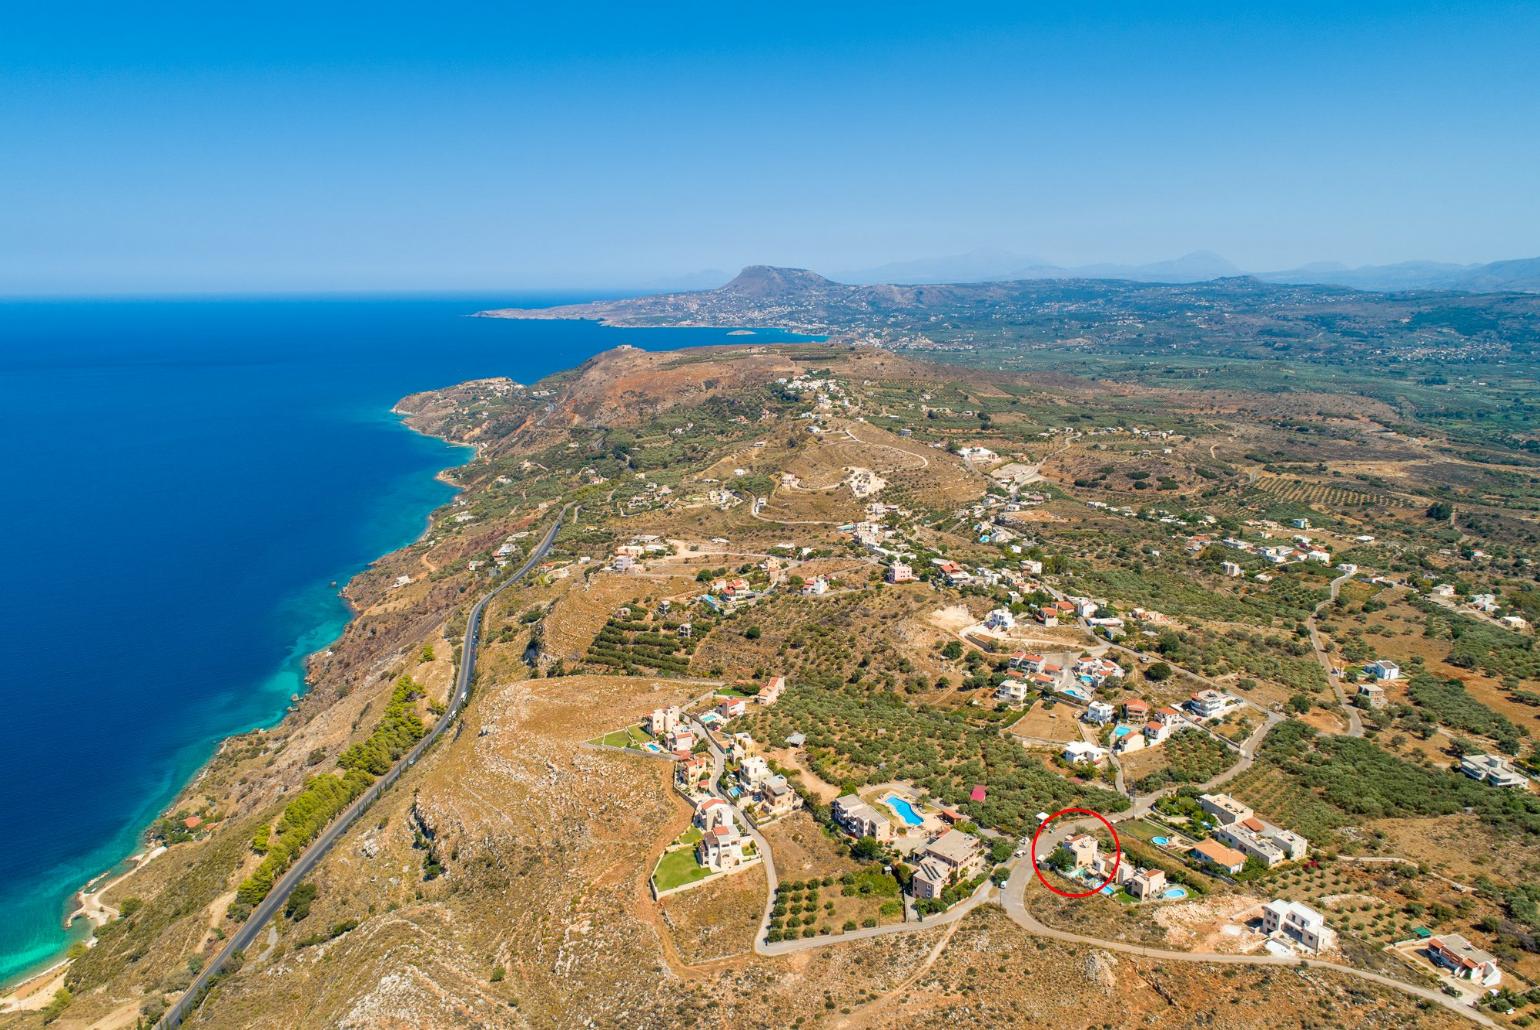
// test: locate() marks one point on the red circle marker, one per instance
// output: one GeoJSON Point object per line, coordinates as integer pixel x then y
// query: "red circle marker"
{"type": "Point", "coordinates": [1117, 858]}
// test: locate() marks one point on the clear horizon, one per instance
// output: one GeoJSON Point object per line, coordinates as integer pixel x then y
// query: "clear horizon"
{"type": "Point", "coordinates": [296, 150]}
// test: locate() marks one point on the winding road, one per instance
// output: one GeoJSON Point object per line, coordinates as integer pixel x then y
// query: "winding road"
{"type": "Point", "coordinates": [268, 906]}
{"type": "Point", "coordinates": [1012, 900]}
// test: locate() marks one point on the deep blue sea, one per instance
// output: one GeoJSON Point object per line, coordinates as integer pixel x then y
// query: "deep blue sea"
{"type": "Point", "coordinates": [184, 481]}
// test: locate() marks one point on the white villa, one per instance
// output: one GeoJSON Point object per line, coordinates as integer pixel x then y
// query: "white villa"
{"type": "Point", "coordinates": [1383, 669]}
{"type": "Point", "coordinates": [1098, 712]}
{"type": "Point", "coordinates": [1012, 691]}
{"type": "Point", "coordinates": [1492, 769]}
{"type": "Point", "coordinates": [721, 848]}
{"type": "Point", "coordinates": [662, 720]}
{"type": "Point", "coordinates": [713, 812]}
{"type": "Point", "coordinates": [859, 819]}
{"type": "Point", "coordinates": [1207, 704]}
{"type": "Point", "coordinates": [1077, 751]}
{"type": "Point", "coordinates": [1000, 620]}
{"type": "Point", "coordinates": [753, 771]}
{"type": "Point", "coordinates": [1299, 924]}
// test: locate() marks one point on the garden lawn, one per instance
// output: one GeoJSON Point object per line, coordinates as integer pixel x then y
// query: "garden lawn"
{"type": "Point", "coordinates": [631, 736]}
{"type": "Point", "coordinates": [678, 868]}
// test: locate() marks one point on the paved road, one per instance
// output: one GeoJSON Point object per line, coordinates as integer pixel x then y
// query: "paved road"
{"type": "Point", "coordinates": [268, 907]}
{"type": "Point", "coordinates": [1248, 753]}
{"type": "Point", "coordinates": [718, 760]}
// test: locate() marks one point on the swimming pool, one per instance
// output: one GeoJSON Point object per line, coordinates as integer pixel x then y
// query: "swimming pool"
{"type": "Point", "coordinates": [1175, 892]}
{"type": "Point", "coordinates": [1160, 841]}
{"type": "Point", "coordinates": [1119, 732]}
{"type": "Point", "coordinates": [1076, 692]}
{"type": "Point", "coordinates": [904, 809]}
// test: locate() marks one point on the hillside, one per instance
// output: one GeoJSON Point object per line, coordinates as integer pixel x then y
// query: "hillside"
{"type": "Point", "coordinates": [506, 880]}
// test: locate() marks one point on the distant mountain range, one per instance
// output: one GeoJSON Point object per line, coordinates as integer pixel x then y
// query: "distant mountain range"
{"type": "Point", "coordinates": [1522, 274]}
{"type": "Point", "coordinates": [1233, 316]}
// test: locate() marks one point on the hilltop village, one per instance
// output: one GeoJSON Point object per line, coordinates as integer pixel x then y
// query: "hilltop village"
{"type": "Point", "coordinates": [780, 730]}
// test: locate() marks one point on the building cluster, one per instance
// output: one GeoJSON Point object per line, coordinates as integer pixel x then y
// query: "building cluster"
{"type": "Point", "coordinates": [1085, 859]}
{"type": "Point", "coordinates": [650, 497]}
{"type": "Point", "coordinates": [1042, 674]}
{"type": "Point", "coordinates": [729, 594]}
{"type": "Point", "coordinates": [1147, 726]}
{"type": "Point", "coordinates": [1241, 836]}
{"type": "Point", "coordinates": [826, 394]}
{"type": "Point", "coordinates": [628, 557]}
{"type": "Point", "coordinates": [767, 792]}
{"type": "Point", "coordinates": [670, 726]}
{"type": "Point", "coordinates": [1096, 672]}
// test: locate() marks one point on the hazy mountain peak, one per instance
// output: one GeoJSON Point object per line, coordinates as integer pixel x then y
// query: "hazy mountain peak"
{"type": "Point", "coordinates": [769, 281]}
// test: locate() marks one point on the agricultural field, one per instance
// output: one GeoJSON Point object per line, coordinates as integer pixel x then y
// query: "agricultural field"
{"type": "Point", "coordinates": [641, 642]}
{"type": "Point", "coordinates": [858, 737]}
{"type": "Point", "coordinates": [1285, 802]}
{"type": "Point", "coordinates": [1378, 903]}
{"type": "Point", "coordinates": [1190, 756]}
{"type": "Point", "coordinates": [821, 906]}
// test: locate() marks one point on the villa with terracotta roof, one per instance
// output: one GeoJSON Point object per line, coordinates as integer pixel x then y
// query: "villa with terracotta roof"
{"type": "Point", "coordinates": [1464, 959]}
{"type": "Point", "coordinates": [1220, 856]}
{"type": "Point", "coordinates": [1146, 884]}
{"type": "Point", "coordinates": [1082, 849]}
{"type": "Point", "coordinates": [1027, 661]}
{"type": "Point", "coordinates": [771, 692]}
{"type": "Point", "coordinates": [713, 812]}
{"type": "Point", "coordinates": [721, 848]}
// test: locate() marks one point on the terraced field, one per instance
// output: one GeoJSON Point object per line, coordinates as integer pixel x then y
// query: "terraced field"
{"type": "Point", "coordinates": [1322, 494]}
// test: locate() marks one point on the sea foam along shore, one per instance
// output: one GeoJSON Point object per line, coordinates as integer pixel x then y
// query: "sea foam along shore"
{"type": "Point", "coordinates": [36, 989]}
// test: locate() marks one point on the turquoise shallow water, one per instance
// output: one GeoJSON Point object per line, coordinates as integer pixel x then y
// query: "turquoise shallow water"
{"type": "Point", "coordinates": [185, 481]}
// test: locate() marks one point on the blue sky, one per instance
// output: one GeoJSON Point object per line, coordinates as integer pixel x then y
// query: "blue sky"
{"type": "Point", "coordinates": [173, 147]}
